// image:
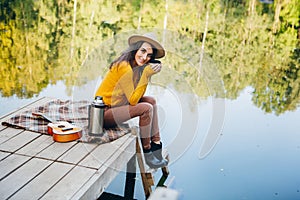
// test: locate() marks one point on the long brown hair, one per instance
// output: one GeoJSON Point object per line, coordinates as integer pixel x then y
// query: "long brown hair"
{"type": "Point", "coordinates": [129, 54]}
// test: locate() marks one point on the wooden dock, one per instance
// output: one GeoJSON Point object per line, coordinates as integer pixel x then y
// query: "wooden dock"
{"type": "Point", "coordinates": [33, 166]}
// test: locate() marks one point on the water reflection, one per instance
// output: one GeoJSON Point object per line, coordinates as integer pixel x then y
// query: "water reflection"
{"type": "Point", "coordinates": [255, 158]}
{"type": "Point", "coordinates": [46, 42]}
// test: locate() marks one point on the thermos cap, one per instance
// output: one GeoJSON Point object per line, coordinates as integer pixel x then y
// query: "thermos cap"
{"type": "Point", "coordinates": [98, 102]}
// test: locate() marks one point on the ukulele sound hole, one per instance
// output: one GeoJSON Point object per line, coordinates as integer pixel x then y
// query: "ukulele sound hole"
{"type": "Point", "coordinates": [61, 126]}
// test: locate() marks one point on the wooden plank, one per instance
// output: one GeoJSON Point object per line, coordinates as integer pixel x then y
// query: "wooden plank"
{"type": "Point", "coordinates": [126, 150]}
{"type": "Point", "coordinates": [100, 180]}
{"type": "Point", "coordinates": [18, 141]}
{"type": "Point", "coordinates": [100, 155]}
{"type": "Point", "coordinates": [55, 150]}
{"type": "Point", "coordinates": [36, 146]}
{"type": "Point", "coordinates": [45, 169]}
{"type": "Point", "coordinates": [11, 163]}
{"type": "Point", "coordinates": [3, 155]}
{"type": "Point", "coordinates": [21, 176]}
{"type": "Point", "coordinates": [43, 182]}
{"type": "Point", "coordinates": [77, 153]}
{"type": "Point", "coordinates": [2, 127]}
{"type": "Point", "coordinates": [9, 133]}
{"type": "Point", "coordinates": [70, 184]}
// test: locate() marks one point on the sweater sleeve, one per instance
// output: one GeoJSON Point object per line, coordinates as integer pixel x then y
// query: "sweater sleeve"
{"type": "Point", "coordinates": [132, 94]}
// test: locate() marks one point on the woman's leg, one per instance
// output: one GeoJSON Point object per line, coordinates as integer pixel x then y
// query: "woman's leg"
{"type": "Point", "coordinates": [147, 113]}
{"type": "Point", "coordinates": [155, 135]}
{"type": "Point", "coordinates": [156, 145]}
{"type": "Point", "coordinates": [143, 110]}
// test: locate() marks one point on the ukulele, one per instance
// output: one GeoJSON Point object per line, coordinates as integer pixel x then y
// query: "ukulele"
{"type": "Point", "coordinates": [61, 131]}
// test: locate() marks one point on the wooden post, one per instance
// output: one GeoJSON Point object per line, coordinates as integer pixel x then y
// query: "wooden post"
{"type": "Point", "coordinates": [146, 172]}
{"type": "Point", "coordinates": [147, 178]}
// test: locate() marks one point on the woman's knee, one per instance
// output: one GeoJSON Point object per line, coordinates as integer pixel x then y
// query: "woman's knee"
{"type": "Point", "coordinates": [145, 113]}
{"type": "Point", "coordinates": [149, 99]}
{"type": "Point", "coordinates": [145, 107]}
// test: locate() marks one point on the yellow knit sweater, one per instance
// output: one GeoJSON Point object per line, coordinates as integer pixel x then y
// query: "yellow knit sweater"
{"type": "Point", "coordinates": [117, 87]}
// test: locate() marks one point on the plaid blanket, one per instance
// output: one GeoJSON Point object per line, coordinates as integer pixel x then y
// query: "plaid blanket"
{"type": "Point", "coordinates": [75, 112]}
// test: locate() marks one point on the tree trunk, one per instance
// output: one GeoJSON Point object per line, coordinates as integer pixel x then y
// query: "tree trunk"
{"type": "Point", "coordinates": [87, 49]}
{"type": "Point", "coordinates": [165, 23]}
{"type": "Point", "coordinates": [276, 23]}
{"type": "Point", "coordinates": [203, 41]}
{"type": "Point", "coordinates": [74, 28]}
{"type": "Point", "coordinates": [140, 15]}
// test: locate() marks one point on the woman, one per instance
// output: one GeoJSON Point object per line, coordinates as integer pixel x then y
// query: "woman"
{"type": "Point", "coordinates": [123, 90]}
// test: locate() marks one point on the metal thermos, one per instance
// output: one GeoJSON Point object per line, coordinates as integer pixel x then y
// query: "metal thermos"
{"type": "Point", "coordinates": [96, 115]}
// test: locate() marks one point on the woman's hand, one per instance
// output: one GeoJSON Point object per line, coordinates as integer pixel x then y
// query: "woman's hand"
{"type": "Point", "coordinates": [152, 68]}
{"type": "Point", "coordinates": [156, 67]}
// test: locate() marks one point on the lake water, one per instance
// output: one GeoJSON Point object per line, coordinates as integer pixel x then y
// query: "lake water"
{"type": "Point", "coordinates": [255, 157]}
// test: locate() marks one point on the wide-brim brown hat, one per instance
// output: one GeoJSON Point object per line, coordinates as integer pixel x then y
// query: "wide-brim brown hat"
{"type": "Point", "coordinates": [150, 38]}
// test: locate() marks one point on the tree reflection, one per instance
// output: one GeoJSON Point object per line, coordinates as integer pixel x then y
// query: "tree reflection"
{"type": "Point", "coordinates": [251, 44]}
{"type": "Point", "coordinates": [280, 91]}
